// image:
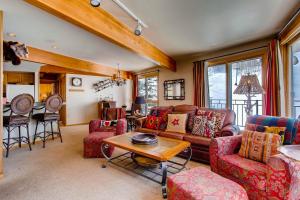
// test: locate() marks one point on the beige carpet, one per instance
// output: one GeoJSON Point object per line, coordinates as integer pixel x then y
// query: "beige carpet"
{"type": "Point", "coordinates": [59, 172]}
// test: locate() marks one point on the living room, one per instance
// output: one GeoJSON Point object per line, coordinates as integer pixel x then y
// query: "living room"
{"type": "Point", "coordinates": [197, 101]}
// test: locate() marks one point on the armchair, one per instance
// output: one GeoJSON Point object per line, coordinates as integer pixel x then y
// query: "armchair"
{"type": "Point", "coordinates": [278, 179]}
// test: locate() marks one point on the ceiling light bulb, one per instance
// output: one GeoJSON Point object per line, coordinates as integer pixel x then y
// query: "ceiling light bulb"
{"type": "Point", "coordinates": [95, 3]}
{"type": "Point", "coordinates": [138, 29]}
{"type": "Point", "coordinates": [54, 46]}
{"type": "Point", "coordinates": [11, 34]}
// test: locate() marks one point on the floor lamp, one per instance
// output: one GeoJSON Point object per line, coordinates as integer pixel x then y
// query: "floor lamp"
{"type": "Point", "coordinates": [249, 86]}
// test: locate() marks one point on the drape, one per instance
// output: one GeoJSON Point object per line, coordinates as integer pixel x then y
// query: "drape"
{"type": "Point", "coordinates": [199, 78]}
{"type": "Point", "coordinates": [272, 90]}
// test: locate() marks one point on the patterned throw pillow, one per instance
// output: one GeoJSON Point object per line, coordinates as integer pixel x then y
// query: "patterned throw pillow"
{"type": "Point", "coordinates": [259, 146]}
{"type": "Point", "coordinates": [276, 130]}
{"type": "Point", "coordinates": [152, 122]}
{"type": "Point", "coordinates": [220, 117]}
{"type": "Point", "coordinates": [176, 123]}
{"type": "Point", "coordinates": [106, 123]}
{"type": "Point", "coordinates": [204, 126]}
{"type": "Point", "coordinates": [164, 118]}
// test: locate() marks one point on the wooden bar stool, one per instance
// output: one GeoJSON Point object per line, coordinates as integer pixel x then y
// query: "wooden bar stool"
{"type": "Point", "coordinates": [52, 106]}
{"type": "Point", "coordinates": [21, 107]}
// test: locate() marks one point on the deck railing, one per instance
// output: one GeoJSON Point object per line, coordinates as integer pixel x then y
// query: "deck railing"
{"type": "Point", "coordinates": [238, 106]}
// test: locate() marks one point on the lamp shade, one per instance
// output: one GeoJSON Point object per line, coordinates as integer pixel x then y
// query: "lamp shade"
{"type": "Point", "coordinates": [249, 85]}
{"type": "Point", "coordinates": [140, 100]}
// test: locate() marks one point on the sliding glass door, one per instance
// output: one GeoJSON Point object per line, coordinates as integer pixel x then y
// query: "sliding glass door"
{"type": "Point", "coordinates": [223, 79]}
{"type": "Point", "coordinates": [295, 83]}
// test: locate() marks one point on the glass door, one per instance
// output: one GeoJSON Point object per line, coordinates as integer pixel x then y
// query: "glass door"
{"type": "Point", "coordinates": [295, 83]}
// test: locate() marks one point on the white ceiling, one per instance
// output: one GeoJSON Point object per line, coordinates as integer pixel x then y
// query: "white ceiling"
{"type": "Point", "coordinates": [178, 27]}
{"type": "Point", "coordinates": [182, 27]}
{"type": "Point", "coordinates": [36, 28]}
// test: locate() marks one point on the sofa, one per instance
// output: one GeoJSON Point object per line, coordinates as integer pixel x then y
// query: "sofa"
{"type": "Point", "coordinates": [200, 145]}
{"type": "Point", "coordinates": [278, 179]}
{"type": "Point", "coordinates": [97, 133]}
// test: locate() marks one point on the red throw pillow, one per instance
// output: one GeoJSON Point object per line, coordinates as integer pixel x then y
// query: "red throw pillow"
{"type": "Point", "coordinates": [153, 122]}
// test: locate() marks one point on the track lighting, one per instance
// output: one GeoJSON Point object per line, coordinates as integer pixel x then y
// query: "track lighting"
{"type": "Point", "coordinates": [138, 29]}
{"type": "Point", "coordinates": [95, 3]}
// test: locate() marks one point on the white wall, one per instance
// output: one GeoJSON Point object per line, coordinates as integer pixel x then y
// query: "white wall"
{"type": "Point", "coordinates": [82, 105]}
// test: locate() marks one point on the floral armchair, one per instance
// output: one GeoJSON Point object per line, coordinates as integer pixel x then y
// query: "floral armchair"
{"type": "Point", "coordinates": [278, 179]}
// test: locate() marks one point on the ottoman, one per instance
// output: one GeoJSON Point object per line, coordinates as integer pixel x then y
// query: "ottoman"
{"type": "Point", "coordinates": [201, 183]}
{"type": "Point", "coordinates": [92, 144]}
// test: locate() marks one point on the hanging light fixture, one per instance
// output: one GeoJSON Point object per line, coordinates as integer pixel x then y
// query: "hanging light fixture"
{"type": "Point", "coordinates": [117, 79]}
{"type": "Point", "coordinates": [138, 29]}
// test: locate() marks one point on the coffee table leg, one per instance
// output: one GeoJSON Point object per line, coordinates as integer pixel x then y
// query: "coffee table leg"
{"type": "Point", "coordinates": [189, 152]}
{"type": "Point", "coordinates": [104, 149]}
{"type": "Point", "coordinates": [164, 179]}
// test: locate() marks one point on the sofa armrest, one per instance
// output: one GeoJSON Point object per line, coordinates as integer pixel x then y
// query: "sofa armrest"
{"type": "Point", "coordinates": [229, 130]}
{"type": "Point", "coordinates": [94, 124]}
{"type": "Point", "coordinates": [121, 126]}
{"type": "Point", "coordinates": [223, 146]}
{"type": "Point", "coordinates": [283, 177]}
{"type": "Point", "coordinates": [140, 122]}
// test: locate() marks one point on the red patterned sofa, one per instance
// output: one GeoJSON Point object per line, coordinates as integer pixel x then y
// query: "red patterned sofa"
{"type": "Point", "coordinates": [93, 141]}
{"type": "Point", "coordinates": [278, 179]}
{"type": "Point", "coordinates": [200, 145]}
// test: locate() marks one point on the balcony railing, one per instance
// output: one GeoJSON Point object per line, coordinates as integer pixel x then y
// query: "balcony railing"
{"type": "Point", "coordinates": [296, 108]}
{"type": "Point", "coordinates": [238, 106]}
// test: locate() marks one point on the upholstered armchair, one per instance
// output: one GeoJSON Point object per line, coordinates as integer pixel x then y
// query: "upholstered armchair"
{"type": "Point", "coordinates": [278, 179]}
{"type": "Point", "coordinates": [118, 114]}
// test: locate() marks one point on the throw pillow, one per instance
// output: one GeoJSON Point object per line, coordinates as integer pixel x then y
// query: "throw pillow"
{"type": "Point", "coordinates": [152, 122]}
{"type": "Point", "coordinates": [220, 117]}
{"type": "Point", "coordinates": [250, 127]}
{"type": "Point", "coordinates": [276, 130]}
{"type": "Point", "coordinates": [259, 146]}
{"type": "Point", "coordinates": [106, 123]}
{"type": "Point", "coordinates": [204, 126]}
{"type": "Point", "coordinates": [164, 118]}
{"type": "Point", "coordinates": [176, 123]}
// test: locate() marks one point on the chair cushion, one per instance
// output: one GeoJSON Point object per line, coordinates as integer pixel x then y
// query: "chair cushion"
{"type": "Point", "coordinates": [200, 183]}
{"type": "Point", "coordinates": [15, 120]}
{"type": "Point", "coordinates": [106, 129]}
{"type": "Point", "coordinates": [46, 116]}
{"type": "Point", "coordinates": [244, 170]}
{"type": "Point", "coordinates": [195, 139]}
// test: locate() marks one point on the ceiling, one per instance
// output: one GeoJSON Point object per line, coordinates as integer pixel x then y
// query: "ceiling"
{"type": "Point", "coordinates": [36, 28]}
{"type": "Point", "coordinates": [183, 27]}
{"type": "Point", "coordinates": [178, 27]}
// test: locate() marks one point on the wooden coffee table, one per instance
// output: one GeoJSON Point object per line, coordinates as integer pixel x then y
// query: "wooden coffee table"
{"type": "Point", "coordinates": [164, 151]}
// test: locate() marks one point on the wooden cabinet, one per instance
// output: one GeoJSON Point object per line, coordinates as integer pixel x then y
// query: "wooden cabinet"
{"type": "Point", "coordinates": [25, 78]}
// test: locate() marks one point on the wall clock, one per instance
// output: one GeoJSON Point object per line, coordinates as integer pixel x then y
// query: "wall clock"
{"type": "Point", "coordinates": [76, 82]}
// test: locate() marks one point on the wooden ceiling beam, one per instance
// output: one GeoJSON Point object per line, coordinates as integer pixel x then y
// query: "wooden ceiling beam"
{"type": "Point", "coordinates": [72, 64]}
{"type": "Point", "coordinates": [103, 24]}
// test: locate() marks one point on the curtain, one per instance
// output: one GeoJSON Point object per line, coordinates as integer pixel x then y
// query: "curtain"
{"type": "Point", "coordinates": [272, 91]}
{"type": "Point", "coordinates": [134, 87]}
{"type": "Point", "coordinates": [199, 77]}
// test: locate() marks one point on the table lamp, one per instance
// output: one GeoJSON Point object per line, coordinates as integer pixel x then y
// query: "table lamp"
{"type": "Point", "coordinates": [140, 100]}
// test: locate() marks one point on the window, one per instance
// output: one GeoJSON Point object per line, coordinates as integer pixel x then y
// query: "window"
{"type": "Point", "coordinates": [148, 87]}
{"type": "Point", "coordinates": [223, 79]}
{"type": "Point", "coordinates": [217, 86]}
{"type": "Point", "coordinates": [295, 84]}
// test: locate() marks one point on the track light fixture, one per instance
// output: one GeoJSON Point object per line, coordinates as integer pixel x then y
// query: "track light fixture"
{"type": "Point", "coordinates": [95, 3]}
{"type": "Point", "coordinates": [138, 29]}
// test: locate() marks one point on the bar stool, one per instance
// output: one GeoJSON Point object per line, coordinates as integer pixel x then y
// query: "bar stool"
{"type": "Point", "coordinates": [52, 105]}
{"type": "Point", "coordinates": [21, 107]}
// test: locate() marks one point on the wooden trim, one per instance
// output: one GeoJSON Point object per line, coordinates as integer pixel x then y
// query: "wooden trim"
{"type": "Point", "coordinates": [69, 63]}
{"type": "Point", "coordinates": [238, 57]}
{"type": "Point", "coordinates": [290, 32]}
{"type": "Point", "coordinates": [1, 91]}
{"type": "Point", "coordinates": [103, 24]}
